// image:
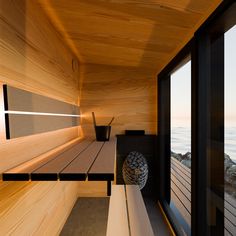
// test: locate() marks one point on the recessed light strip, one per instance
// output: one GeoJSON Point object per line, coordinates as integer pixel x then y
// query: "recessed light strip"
{"type": "Point", "coordinates": [39, 113]}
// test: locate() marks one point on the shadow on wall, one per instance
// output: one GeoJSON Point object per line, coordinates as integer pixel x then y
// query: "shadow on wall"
{"type": "Point", "coordinates": [129, 93]}
{"type": "Point", "coordinates": [162, 18]}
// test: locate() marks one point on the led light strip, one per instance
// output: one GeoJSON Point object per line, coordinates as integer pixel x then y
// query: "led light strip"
{"type": "Point", "coordinates": [39, 113]}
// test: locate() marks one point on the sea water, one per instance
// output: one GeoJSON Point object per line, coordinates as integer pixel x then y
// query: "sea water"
{"type": "Point", "coordinates": [181, 140]}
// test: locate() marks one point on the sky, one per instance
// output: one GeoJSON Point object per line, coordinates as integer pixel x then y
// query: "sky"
{"type": "Point", "coordinates": [230, 77]}
{"type": "Point", "coordinates": [181, 87]}
{"type": "Point", "coordinates": [181, 96]}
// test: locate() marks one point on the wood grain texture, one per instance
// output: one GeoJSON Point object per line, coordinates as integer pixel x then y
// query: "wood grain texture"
{"type": "Point", "coordinates": [138, 218]}
{"type": "Point", "coordinates": [35, 208]}
{"type": "Point", "coordinates": [64, 159]}
{"type": "Point", "coordinates": [135, 33]}
{"type": "Point", "coordinates": [34, 58]}
{"type": "Point", "coordinates": [81, 165]}
{"type": "Point", "coordinates": [117, 223]}
{"type": "Point", "coordinates": [105, 162]}
{"type": "Point", "coordinates": [35, 163]}
{"type": "Point", "coordinates": [92, 189]}
{"type": "Point", "coordinates": [126, 93]}
{"type": "Point", "coordinates": [17, 151]}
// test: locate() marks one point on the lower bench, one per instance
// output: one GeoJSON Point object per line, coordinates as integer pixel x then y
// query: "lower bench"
{"type": "Point", "coordinates": [127, 213]}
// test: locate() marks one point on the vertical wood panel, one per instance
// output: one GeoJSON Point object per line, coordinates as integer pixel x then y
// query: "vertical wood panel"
{"type": "Point", "coordinates": [128, 94]}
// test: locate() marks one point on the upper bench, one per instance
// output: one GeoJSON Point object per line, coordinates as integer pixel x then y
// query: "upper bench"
{"type": "Point", "coordinates": [86, 159]}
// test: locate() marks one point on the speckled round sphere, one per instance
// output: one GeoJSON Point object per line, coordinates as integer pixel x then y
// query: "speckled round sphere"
{"type": "Point", "coordinates": [135, 169]}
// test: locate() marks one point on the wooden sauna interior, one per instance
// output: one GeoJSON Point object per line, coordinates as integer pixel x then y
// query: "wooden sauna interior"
{"type": "Point", "coordinates": [101, 55]}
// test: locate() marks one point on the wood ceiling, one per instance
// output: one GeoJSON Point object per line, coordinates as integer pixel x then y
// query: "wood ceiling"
{"type": "Point", "coordinates": [136, 33]}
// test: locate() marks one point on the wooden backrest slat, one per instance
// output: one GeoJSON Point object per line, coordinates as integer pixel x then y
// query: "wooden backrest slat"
{"type": "Point", "coordinates": [83, 162]}
{"type": "Point", "coordinates": [105, 161]}
{"type": "Point", "coordinates": [117, 223]}
{"type": "Point", "coordinates": [138, 218]}
{"type": "Point", "coordinates": [61, 161]}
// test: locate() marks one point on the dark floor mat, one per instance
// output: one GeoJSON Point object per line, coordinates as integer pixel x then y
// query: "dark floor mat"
{"type": "Point", "coordinates": [88, 218]}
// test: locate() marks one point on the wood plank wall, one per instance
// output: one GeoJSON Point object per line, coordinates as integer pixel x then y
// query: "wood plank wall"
{"type": "Point", "coordinates": [128, 93]}
{"type": "Point", "coordinates": [34, 58]}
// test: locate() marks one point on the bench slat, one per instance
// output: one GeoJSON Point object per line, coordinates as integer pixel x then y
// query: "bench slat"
{"type": "Point", "coordinates": [50, 170]}
{"type": "Point", "coordinates": [104, 164]}
{"type": "Point", "coordinates": [79, 167]}
{"type": "Point", "coordinates": [23, 171]}
{"type": "Point", "coordinates": [138, 217]}
{"type": "Point", "coordinates": [117, 223]}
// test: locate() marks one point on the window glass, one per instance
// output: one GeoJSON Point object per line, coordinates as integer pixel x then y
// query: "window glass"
{"type": "Point", "coordinates": [230, 132]}
{"type": "Point", "coordinates": [181, 146]}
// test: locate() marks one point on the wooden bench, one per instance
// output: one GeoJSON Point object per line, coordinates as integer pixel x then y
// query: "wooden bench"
{"type": "Point", "coordinates": [86, 159]}
{"type": "Point", "coordinates": [127, 213]}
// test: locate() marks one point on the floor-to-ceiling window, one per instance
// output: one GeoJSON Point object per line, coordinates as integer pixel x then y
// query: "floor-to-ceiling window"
{"type": "Point", "coordinates": [180, 120]}
{"type": "Point", "coordinates": [230, 132]}
{"type": "Point", "coordinates": [198, 184]}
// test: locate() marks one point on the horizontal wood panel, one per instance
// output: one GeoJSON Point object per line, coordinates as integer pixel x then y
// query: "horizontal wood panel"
{"type": "Point", "coordinates": [111, 91]}
{"type": "Point", "coordinates": [28, 60]}
{"type": "Point", "coordinates": [26, 208]}
{"type": "Point", "coordinates": [133, 33]}
{"type": "Point", "coordinates": [22, 125]}
{"type": "Point", "coordinates": [21, 100]}
{"type": "Point", "coordinates": [138, 218]}
{"type": "Point", "coordinates": [34, 58]}
{"type": "Point", "coordinates": [17, 151]}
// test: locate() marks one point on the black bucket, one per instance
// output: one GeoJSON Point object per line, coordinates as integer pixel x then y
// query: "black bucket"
{"type": "Point", "coordinates": [103, 132]}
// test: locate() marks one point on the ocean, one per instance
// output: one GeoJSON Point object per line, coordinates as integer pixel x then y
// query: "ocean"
{"type": "Point", "coordinates": [181, 140]}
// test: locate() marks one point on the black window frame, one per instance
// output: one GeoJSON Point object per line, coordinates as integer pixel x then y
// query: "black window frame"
{"type": "Point", "coordinates": [206, 50]}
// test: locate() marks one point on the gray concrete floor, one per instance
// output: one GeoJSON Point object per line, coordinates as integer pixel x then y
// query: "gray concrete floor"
{"type": "Point", "coordinates": [89, 218]}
